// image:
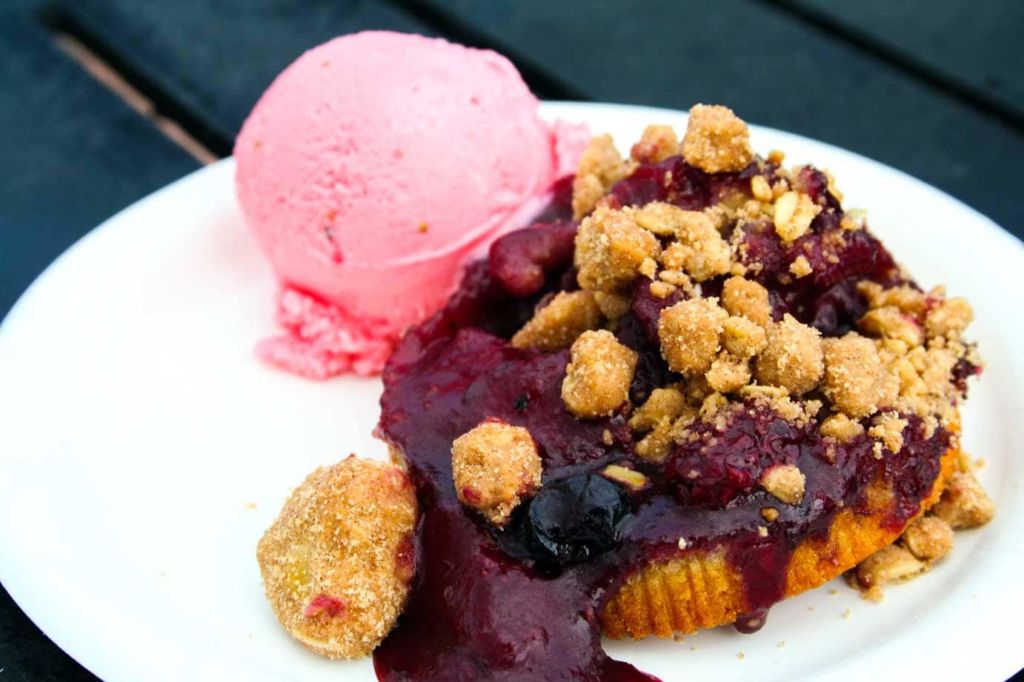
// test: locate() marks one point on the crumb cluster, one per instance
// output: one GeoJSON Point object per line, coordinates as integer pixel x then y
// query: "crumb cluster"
{"type": "Point", "coordinates": [494, 466]}
{"type": "Point", "coordinates": [338, 561]}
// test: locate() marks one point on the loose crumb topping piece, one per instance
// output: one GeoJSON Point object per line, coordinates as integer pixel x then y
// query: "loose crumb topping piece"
{"type": "Point", "coordinates": [598, 376]}
{"type": "Point", "coordinates": [748, 299]}
{"type": "Point", "coordinates": [928, 538]}
{"type": "Point", "coordinates": [794, 212]}
{"type": "Point", "coordinates": [338, 561]}
{"type": "Point", "coordinates": [610, 248]}
{"type": "Point", "coordinates": [888, 565]}
{"type": "Point", "coordinates": [964, 503]}
{"type": "Point", "coordinates": [793, 357]}
{"type": "Point", "coordinates": [689, 333]}
{"type": "Point", "coordinates": [663, 404]}
{"type": "Point", "coordinates": [600, 167]}
{"type": "Point", "coordinates": [657, 143]}
{"type": "Point", "coordinates": [716, 140]}
{"type": "Point", "coordinates": [785, 482]}
{"type": "Point", "coordinates": [853, 375]}
{"type": "Point", "coordinates": [494, 466]}
{"type": "Point", "coordinates": [841, 427]}
{"type": "Point", "coordinates": [557, 324]}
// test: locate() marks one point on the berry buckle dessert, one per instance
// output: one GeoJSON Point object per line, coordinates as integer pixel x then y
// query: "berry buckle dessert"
{"type": "Point", "coordinates": [694, 387]}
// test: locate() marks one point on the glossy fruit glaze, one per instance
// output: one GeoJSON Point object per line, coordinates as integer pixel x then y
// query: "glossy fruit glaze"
{"type": "Point", "coordinates": [522, 603]}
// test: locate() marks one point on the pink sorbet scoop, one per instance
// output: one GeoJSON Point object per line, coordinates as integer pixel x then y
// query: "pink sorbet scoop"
{"type": "Point", "coordinates": [369, 172]}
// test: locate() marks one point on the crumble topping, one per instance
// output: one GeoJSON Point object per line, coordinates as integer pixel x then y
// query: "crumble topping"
{"type": "Point", "coordinates": [888, 429]}
{"type": "Point", "coordinates": [743, 338]}
{"type": "Point", "coordinates": [657, 143]}
{"type": "Point", "coordinates": [793, 357]}
{"type": "Point", "coordinates": [794, 212]}
{"type": "Point", "coordinates": [949, 318]}
{"type": "Point", "coordinates": [495, 465]}
{"type": "Point", "coordinates": [557, 324]}
{"type": "Point", "coordinates": [612, 306]}
{"type": "Point", "coordinates": [888, 565]}
{"type": "Point", "coordinates": [338, 561]}
{"type": "Point", "coordinates": [800, 267]}
{"type": "Point", "coordinates": [784, 482]}
{"type": "Point", "coordinates": [841, 427]}
{"type": "Point", "coordinates": [716, 140]}
{"type": "Point", "coordinates": [748, 299]}
{"type": "Point", "coordinates": [598, 376]}
{"type": "Point", "coordinates": [610, 248]}
{"type": "Point", "coordinates": [663, 404]}
{"type": "Point", "coordinates": [928, 538]}
{"type": "Point", "coordinates": [689, 332]}
{"type": "Point", "coordinates": [631, 478]}
{"type": "Point", "coordinates": [853, 375]}
{"type": "Point", "coordinates": [600, 167]}
{"type": "Point", "coordinates": [964, 503]}
{"type": "Point", "coordinates": [728, 373]}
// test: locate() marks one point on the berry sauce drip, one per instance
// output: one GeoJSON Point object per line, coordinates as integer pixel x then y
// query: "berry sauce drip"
{"type": "Point", "coordinates": [523, 602]}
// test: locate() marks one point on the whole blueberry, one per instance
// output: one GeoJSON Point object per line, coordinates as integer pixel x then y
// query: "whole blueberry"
{"type": "Point", "coordinates": [574, 519]}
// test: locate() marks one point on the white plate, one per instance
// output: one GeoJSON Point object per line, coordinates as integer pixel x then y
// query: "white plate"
{"type": "Point", "coordinates": [143, 451]}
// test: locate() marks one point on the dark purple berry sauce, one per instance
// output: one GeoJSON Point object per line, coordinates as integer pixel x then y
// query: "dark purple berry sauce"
{"type": "Point", "coordinates": [523, 602]}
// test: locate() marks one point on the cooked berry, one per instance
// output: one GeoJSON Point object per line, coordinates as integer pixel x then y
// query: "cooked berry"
{"type": "Point", "coordinates": [576, 518]}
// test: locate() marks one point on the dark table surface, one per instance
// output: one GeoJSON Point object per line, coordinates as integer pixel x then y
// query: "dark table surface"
{"type": "Point", "coordinates": [104, 101]}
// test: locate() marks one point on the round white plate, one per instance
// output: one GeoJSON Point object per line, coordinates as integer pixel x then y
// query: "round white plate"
{"type": "Point", "coordinates": [143, 451]}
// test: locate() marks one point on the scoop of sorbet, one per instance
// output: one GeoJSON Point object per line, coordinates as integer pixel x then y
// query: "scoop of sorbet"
{"type": "Point", "coordinates": [370, 170]}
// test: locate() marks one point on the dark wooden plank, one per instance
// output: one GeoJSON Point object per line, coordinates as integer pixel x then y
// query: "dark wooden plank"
{"type": "Point", "coordinates": [773, 69]}
{"type": "Point", "coordinates": [74, 153]}
{"type": "Point", "coordinates": [26, 655]}
{"type": "Point", "coordinates": [205, 64]}
{"type": "Point", "coordinates": [973, 46]}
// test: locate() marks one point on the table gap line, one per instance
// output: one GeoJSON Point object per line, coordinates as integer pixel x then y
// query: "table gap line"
{"type": "Point", "coordinates": [902, 61]}
{"type": "Point", "coordinates": [107, 76]}
{"type": "Point", "coordinates": [173, 118]}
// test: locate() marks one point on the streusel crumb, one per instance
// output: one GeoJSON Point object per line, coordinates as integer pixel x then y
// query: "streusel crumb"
{"type": "Point", "coordinates": [338, 561]}
{"type": "Point", "coordinates": [657, 143]}
{"type": "Point", "coordinates": [853, 375]}
{"type": "Point", "coordinates": [689, 333]}
{"type": "Point", "coordinates": [793, 357]}
{"type": "Point", "coordinates": [612, 306]}
{"type": "Point", "coordinates": [610, 247]}
{"type": "Point", "coordinates": [794, 212]}
{"type": "Point", "coordinates": [800, 267]}
{"type": "Point", "coordinates": [841, 427]}
{"type": "Point", "coordinates": [663, 404]}
{"type": "Point", "coordinates": [785, 482]}
{"type": "Point", "coordinates": [600, 167]}
{"type": "Point", "coordinates": [699, 251]}
{"type": "Point", "coordinates": [908, 299]}
{"type": "Point", "coordinates": [748, 299]}
{"type": "Point", "coordinates": [928, 538]}
{"type": "Point", "coordinates": [728, 373]}
{"type": "Point", "coordinates": [964, 503]}
{"type": "Point", "coordinates": [949, 318]}
{"type": "Point", "coordinates": [760, 188]}
{"type": "Point", "coordinates": [716, 140]}
{"type": "Point", "coordinates": [655, 446]}
{"type": "Point", "coordinates": [888, 565]}
{"type": "Point", "coordinates": [598, 376]}
{"type": "Point", "coordinates": [557, 324]}
{"type": "Point", "coordinates": [631, 478]}
{"type": "Point", "coordinates": [743, 338]}
{"type": "Point", "coordinates": [888, 428]}
{"type": "Point", "coordinates": [892, 323]}
{"type": "Point", "coordinates": [495, 465]}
